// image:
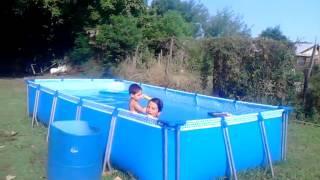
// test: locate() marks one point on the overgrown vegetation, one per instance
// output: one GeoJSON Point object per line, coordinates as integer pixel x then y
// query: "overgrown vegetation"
{"type": "Point", "coordinates": [312, 105]}
{"type": "Point", "coordinates": [260, 70]}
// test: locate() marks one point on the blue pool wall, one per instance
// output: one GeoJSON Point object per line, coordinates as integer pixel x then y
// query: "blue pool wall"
{"type": "Point", "coordinates": [149, 150]}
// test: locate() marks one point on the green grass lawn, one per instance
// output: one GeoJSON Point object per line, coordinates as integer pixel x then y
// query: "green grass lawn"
{"type": "Point", "coordinates": [23, 149]}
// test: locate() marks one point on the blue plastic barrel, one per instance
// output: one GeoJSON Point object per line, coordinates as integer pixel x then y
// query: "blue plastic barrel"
{"type": "Point", "coordinates": [74, 152]}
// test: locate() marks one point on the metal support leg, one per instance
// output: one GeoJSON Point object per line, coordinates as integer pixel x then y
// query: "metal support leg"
{"type": "Point", "coordinates": [233, 171]}
{"type": "Point", "coordinates": [196, 99]}
{"type": "Point", "coordinates": [35, 107]}
{"type": "Point", "coordinates": [178, 153]}
{"type": "Point", "coordinates": [28, 100]}
{"type": "Point", "coordinates": [285, 135]}
{"type": "Point", "coordinates": [108, 149]}
{"type": "Point", "coordinates": [165, 153]}
{"type": "Point", "coordinates": [79, 108]}
{"type": "Point", "coordinates": [52, 114]}
{"type": "Point", "coordinates": [235, 105]}
{"type": "Point", "coordinates": [265, 143]}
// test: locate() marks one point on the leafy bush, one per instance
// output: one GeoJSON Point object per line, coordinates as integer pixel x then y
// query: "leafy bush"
{"type": "Point", "coordinates": [312, 104]}
{"type": "Point", "coordinates": [173, 24]}
{"type": "Point", "coordinates": [82, 50]}
{"type": "Point", "coordinates": [260, 70]}
{"type": "Point", "coordinates": [118, 39]}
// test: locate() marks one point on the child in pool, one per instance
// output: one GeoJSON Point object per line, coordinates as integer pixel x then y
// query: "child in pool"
{"type": "Point", "coordinates": [154, 107]}
{"type": "Point", "coordinates": [135, 92]}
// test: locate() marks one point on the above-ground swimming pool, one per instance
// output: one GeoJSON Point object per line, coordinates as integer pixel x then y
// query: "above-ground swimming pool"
{"type": "Point", "coordinates": [185, 143]}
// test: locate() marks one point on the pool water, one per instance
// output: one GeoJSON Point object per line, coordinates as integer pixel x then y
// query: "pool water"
{"type": "Point", "coordinates": [171, 110]}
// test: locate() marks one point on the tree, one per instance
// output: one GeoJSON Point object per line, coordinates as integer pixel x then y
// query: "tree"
{"type": "Point", "coordinates": [173, 24]}
{"type": "Point", "coordinates": [113, 30]}
{"type": "Point", "coordinates": [226, 23]}
{"type": "Point", "coordinates": [274, 33]}
{"type": "Point", "coordinates": [121, 7]}
{"type": "Point", "coordinates": [38, 31]}
{"type": "Point", "coordinates": [190, 10]}
{"type": "Point", "coordinates": [162, 6]}
{"type": "Point", "coordinates": [118, 39]}
{"type": "Point", "coordinates": [194, 13]}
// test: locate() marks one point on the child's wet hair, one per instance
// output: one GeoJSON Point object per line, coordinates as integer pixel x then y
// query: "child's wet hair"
{"type": "Point", "coordinates": [134, 88]}
{"type": "Point", "coordinates": [158, 102]}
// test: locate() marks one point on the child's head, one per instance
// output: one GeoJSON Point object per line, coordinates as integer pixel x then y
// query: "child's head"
{"type": "Point", "coordinates": [154, 107]}
{"type": "Point", "coordinates": [135, 92]}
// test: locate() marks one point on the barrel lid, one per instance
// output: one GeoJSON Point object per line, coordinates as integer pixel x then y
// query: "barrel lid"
{"type": "Point", "coordinates": [75, 127]}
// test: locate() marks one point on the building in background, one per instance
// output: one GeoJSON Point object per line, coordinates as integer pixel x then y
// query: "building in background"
{"type": "Point", "coordinates": [304, 53]}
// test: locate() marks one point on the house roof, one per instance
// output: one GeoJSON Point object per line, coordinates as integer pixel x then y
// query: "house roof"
{"type": "Point", "coordinates": [305, 49]}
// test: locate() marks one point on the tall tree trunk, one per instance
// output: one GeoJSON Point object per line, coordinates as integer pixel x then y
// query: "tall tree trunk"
{"type": "Point", "coordinates": [160, 57]}
{"type": "Point", "coordinates": [307, 74]}
{"type": "Point", "coordinates": [135, 57]}
{"type": "Point", "coordinates": [171, 46]}
{"type": "Point", "coordinates": [168, 61]}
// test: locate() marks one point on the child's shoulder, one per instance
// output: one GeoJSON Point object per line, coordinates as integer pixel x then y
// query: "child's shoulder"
{"type": "Point", "coordinates": [132, 102]}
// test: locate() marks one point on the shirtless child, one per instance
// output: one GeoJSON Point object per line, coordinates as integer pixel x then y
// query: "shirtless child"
{"type": "Point", "coordinates": [135, 92]}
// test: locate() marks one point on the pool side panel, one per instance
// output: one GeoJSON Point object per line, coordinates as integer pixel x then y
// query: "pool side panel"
{"type": "Point", "coordinates": [231, 106]}
{"type": "Point", "coordinates": [181, 97]}
{"type": "Point", "coordinates": [273, 130]}
{"type": "Point", "coordinates": [99, 119]}
{"type": "Point", "coordinates": [217, 105]}
{"type": "Point", "coordinates": [74, 84]}
{"type": "Point", "coordinates": [247, 146]}
{"type": "Point", "coordinates": [66, 109]}
{"type": "Point", "coordinates": [44, 108]}
{"type": "Point", "coordinates": [32, 93]}
{"type": "Point", "coordinates": [154, 91]}
{"type": "Point", "coordinates": [203, 154]}
{"type": "Point", "coordinates": [137, 149]}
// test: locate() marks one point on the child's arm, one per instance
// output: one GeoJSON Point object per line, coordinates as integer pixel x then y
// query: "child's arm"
{"type": "Point", "coordinates": [139, 108]}
{"type": "Point", "coordinates": [131, 106]}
